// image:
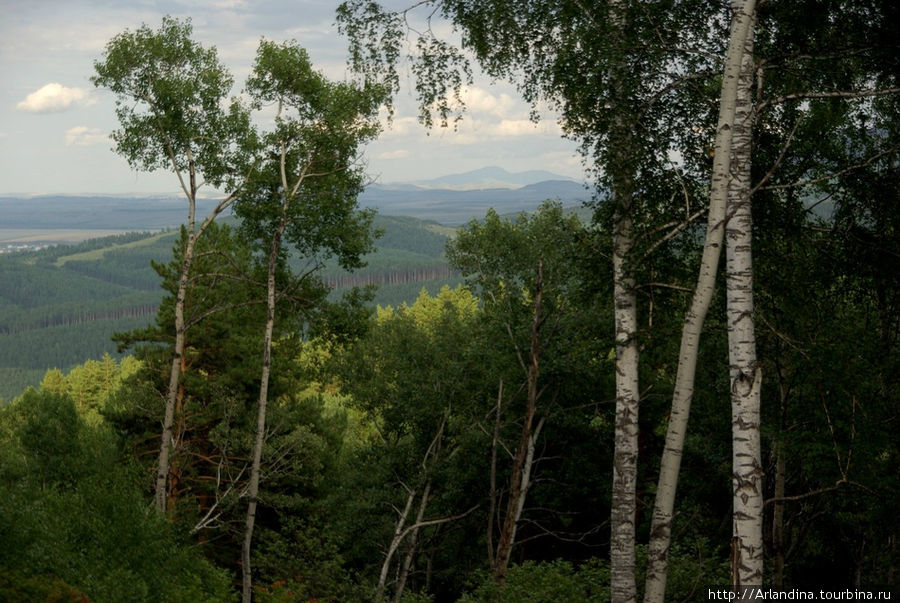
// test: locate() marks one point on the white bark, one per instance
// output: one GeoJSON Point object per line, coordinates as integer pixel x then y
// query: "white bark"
{"type": "Point", "coordinates": [400, 531]}
{"type": "Point", "coordinates": [623, 588]}
{"type": "Point", "coordinates": [399, 534]}
{"type": "Point", "coordinates": [744, 371]}
{"type": "Point", "coordinates": [413, 543]}
{"type": "Point", "coordinates": [167, 440]}
{"type": "Point", "coordinates": [660, 534]}
{"type": "Point", "coordinates": [256, 462]}
{"type": "Point", "coordinates": [622, 539]}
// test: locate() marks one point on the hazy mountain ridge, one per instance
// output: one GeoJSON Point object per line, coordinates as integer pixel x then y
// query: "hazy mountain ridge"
{"type": "Point", "coordinates": [488, 178]}
{"type": "Point", "coordinates": [456, 206]}
{"type": "Point", "coordinates": [460, 202]}
{"type": "Point", "coordinates": [96, 212]}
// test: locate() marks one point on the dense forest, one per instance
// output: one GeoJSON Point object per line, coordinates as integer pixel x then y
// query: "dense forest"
{"type": "Point", "coordinates": [688, 389]}
{"type": "Point", "coordinates": [63, 304]}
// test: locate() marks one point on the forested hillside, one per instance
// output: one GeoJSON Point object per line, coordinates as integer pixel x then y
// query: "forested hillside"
{"type": "Point", "coordinates": [61, 305]}
{"type": "Point", "coordinates": [687, 391]}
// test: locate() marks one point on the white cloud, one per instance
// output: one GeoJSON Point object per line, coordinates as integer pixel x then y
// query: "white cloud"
{"type": "Point", "coordinates": [229, 4]}
{"type": "Point", "coordinates": [477, 131]}
{"type": "Point", "coordinates": [515, 127]}
{"type": "Point", "coordinates": [400, 127]}
{"type": "Point", "coordinates": [398, 154]}
{"type": "Point", "coordinates": [83, 136]}
{"type": "Point", "coordinates": [478, 100]}
{"type": "Point", "coordinates": [55, 97]}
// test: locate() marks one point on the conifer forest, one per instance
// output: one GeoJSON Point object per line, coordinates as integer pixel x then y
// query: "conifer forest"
{"type": "Point", "coordinates": [686, 389]}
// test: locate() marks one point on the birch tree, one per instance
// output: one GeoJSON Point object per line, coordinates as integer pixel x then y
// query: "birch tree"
{"type": "Point", "coordinates": [745, 374]}
{"type": "Point", "coordinates": [621, 166]}
{"type": "Point", "coordinates": [660, 532]}
{"type": "Point", "coordinates": [581, 57]}
{"type": "Point", "coordinates": [171, 95]}
{"type": "Point", "coordinates": [305, 195]}
{"type": "Point", "coordinates": [854, 53]}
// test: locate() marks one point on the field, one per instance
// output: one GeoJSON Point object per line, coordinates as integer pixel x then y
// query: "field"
{"type": "Point", "coordinates": [27, 235]}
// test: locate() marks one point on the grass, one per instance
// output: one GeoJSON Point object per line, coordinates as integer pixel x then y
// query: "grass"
{"type": "Point", "coordinates": [447, 231]}
{"type": "Point", "coordinates": [98, 254]}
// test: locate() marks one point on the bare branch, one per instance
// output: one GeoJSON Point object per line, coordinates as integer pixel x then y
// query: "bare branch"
{"type": "Point", "coordinates": [778, 160]}
{"type": "Point", "coordinates": [672, 233]}
{"type": "Point", "coordinates": [816, 492]}
{"type": "Point", "coordinates": [665, 286]}
{"type": "Point", "coordinates": [204, 315]}
{"type": "Point", "coordinates": [438, 521]}
{"type": "Point", "coordinates": [832, 175]}
{"type": "Point", "coordinates": [836, 94]}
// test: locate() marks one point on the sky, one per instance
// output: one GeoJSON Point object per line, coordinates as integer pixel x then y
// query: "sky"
{"type": "Point", "coordinates": [55, 125]}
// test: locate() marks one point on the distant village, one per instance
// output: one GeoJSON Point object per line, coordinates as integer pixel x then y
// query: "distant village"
{"type": "Point", "coordinates": [21, 246]}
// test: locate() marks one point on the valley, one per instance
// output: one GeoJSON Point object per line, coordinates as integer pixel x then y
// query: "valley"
{"type": "Point", "coordinates": [65, 290]}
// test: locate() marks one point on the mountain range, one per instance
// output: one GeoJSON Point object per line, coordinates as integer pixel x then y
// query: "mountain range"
{"type": "Point", "coordinates": [451, 200]}
{"type": "Point", "coordinates": [484, 178]}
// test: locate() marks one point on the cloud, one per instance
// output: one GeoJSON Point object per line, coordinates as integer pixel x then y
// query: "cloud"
{"type": "Point", "coordinates": [83, 136]}
{"type": "Point", "coordinates": [55, 97]}
{"type": "Point", "coordinates": [398, 154]}
{"type": "Point", "coordinates": [229, 4]}
{"type": "Point", "coordinates": [400, 127]}
{"type": "Point", "coordinates": [477, 131]}
{"type": "Point", "coordinates": [478, 100]}
{"type": "Point", "coordinates": [515, 127]}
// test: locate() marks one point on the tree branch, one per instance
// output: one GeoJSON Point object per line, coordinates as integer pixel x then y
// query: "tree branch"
{"type": "Point", "coordinates": [836, 94]}
{"type": "Point", "coordinates": [832, 175]}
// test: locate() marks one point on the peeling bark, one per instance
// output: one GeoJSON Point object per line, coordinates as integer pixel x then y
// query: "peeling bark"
{"type": "Point", "coordinates": [744, 371]}
{"type": "Point", "coordinates": [623, 588]}
{"type": "Point", "coordinates": [661, 527]}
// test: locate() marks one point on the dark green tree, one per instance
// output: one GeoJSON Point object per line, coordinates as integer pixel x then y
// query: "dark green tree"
{"type": "Point", "coordinates": [171, 102]}
{"type": "Point", "coordinates": [222, 308]}
{"type": "Point", "coordinates": [419, 377]}
{"type": "Point", "coordinates": [75, 524]}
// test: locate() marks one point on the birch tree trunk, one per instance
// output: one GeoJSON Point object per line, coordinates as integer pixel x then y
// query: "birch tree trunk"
{"type": "Point", "coordinates": [172, 393]}
{"type": "Point", "coordinates": [622, 581]}
{"type": "Point", "coordinates": [167, 441]}
{"type": "Point", "coordinates": [670, 464]}
{"type": "Point", "coordinates": [165, 448]}
{"type": "Point", "coordinates": [256, 462]}
{"type": "Point", "coordinates": [744, 371]}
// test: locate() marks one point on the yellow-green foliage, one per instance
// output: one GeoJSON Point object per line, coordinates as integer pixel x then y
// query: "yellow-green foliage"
{"type": "Point", "coordinates": [426, 309]}
{"type": "Point", "coordinates": [91, 384]}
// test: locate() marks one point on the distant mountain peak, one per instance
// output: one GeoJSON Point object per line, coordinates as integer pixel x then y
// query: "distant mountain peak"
{"type": "Point", "coordinates": [490, 177]}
